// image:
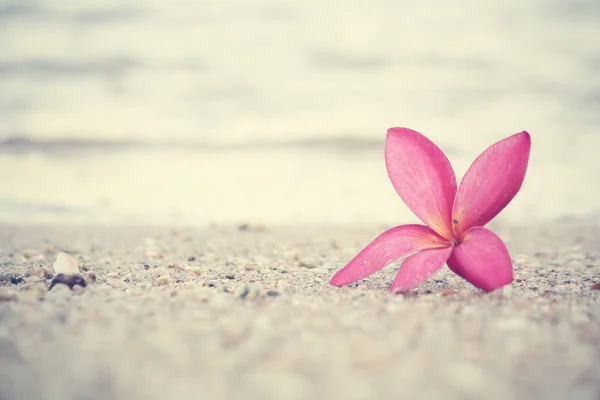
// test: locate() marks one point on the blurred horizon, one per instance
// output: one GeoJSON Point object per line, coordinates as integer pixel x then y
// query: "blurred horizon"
{"type": "Point", "coordinates": [276, 111]}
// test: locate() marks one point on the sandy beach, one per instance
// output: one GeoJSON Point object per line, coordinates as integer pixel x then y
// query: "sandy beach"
{"type": "Point", "coordinates": [210, 165]}
{"type": "Point", "coordinates": [246, 312]}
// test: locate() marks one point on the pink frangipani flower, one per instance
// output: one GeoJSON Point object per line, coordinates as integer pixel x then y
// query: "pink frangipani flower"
{"type": "Point", "coordinates": [455, 218]}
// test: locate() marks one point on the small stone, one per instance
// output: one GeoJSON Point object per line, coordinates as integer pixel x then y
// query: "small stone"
{"type": "Point", "coordinates": [151, 250]}
{"type": "Point", "coordinates": [251, 267]}
{"type": "Point", "coordinates": [7, 296]}
{"type": "Point", "coordinates": [196, 271]}
{"type": "Point", "coordinates": [15, 280]}
{"type": "Point", "coordinates": [67, 280]}
{"type": "Point", "coordinates": [153, 254]}
{"type": "Point", "coordinates": [249, 291]}
{"type": "Point", "coordinates": [163, 280]}
{"type": "Point", "coordinates": [112, 275]}
{"type": "Point", "coordinates": [596, 286]}
{"type": "Point", "coordinates": [65, 264]}
{"type": "Point", "coordinates": [29, 253]}
{"type": "Point", "coordinates": [273, 293]}
{"type": "Point", "coordinates": [160, 272]}
{"type": "Point", "coordinates": [45, 273]}
{"type": "Point", "coordinates": [11, 277]}
{"type": "Point", "coordinates": [177, 268]}
{"type": "Point", "coordinates": [90, 277]}
{"type": "Point", "coordinates": [309, 263]}
{"type": "Point", "coordinates": [230, 276]}
{"type": "Point", "coordinates": [447, 292]}
{"type": "Point", "coordinates": [283, 269]}
{"type": "Point", "coordinates": [250, 227]}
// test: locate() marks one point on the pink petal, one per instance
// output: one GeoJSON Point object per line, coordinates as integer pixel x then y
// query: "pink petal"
{"type": "Point", "coordinates": [422, 176]}
{"type": "Point", "coordinates": [389, 246]}
{"type": "Point", "coordinates": [419, 267]}
{"type": "Point", "coordinates": [491, 182]}
{"type": "Point", "coordinates": [482, 259]}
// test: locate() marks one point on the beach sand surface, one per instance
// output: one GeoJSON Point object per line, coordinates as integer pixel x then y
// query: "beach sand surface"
{"type": "Point", "coordinates": [232, 312]}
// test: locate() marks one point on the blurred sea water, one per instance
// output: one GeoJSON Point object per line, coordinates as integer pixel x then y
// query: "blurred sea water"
{"type": "Point", "coordinates": [275, 111]}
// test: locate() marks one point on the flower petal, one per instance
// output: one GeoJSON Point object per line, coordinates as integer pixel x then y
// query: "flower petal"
{"type": "Point", "coordinates": [491, 182]}
{"type": "Point", "coordinates": [387, 247]}
{"type": "Point", "coordinates": [422, 176]}
{"type": "Point", "coordinates": [482, 259]}
{"type": "Point", "coordinates": [419, 267]}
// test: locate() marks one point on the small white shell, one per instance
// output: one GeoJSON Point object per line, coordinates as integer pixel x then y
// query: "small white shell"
{"type": "Point", "coordinates": [65, 264]}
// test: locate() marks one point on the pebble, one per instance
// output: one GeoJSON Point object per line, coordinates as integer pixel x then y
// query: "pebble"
{"type": "Point", "coordinates": [283, 269]}
{"type": "Point", "coordinates": [67, 280]}
{"type": "Point", "coordinates": [596, 286]}
{"type": "Point", "coordinates": [163, 280]}
{"type": "Point", "coordinates": [28, 253]}
{"type": "Point", "coordinates": [195, 271]}
{"type": "Point", "coordinates": [447, 292]}
{"type": "Point", "coordinates": [152, 251]}
{"type": "Point", "coordinates": [7, 296]}
{"type": "Point", "coordinates": [153, 254]}
{"type": "Point", "coordinates": [309, 263]}
{"type": "Point", "coordinates": [251, 267]}
{"type": "Point", "coordinates": [251, 227]}
{"type": "Point", "coordinates": [44, 272]}
{"type": "Point", "coordinates": [249, 291]}
{"type": "Point", "coordinates": [158, 272]}
{"type": "Point", "coordinates": [90, 277]}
